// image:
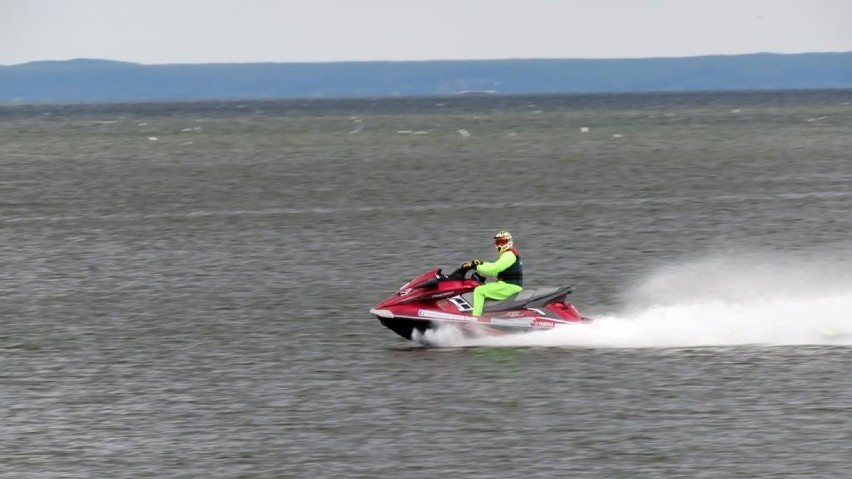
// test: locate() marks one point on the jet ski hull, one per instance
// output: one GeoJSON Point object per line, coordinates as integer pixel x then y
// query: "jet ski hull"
{"type": "Point", "coordinates": [410, 328]}
{"type": "Point", "coordinates": [406, 327]}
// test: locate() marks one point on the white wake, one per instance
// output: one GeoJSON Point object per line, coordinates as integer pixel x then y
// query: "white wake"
{"type": "Point", "coordinates": [744, 299]}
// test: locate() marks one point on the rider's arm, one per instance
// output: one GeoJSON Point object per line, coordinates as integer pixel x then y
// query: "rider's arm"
{"type": "Point", "coordinates": [493, 269]}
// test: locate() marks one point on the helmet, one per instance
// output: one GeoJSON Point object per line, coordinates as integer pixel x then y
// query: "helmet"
{"type": "Point", "coordinates": [503, 241]}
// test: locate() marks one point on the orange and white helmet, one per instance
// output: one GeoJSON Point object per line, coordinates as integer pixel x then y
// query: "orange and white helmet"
{"type": "Point", "coordinates": [503, 241]}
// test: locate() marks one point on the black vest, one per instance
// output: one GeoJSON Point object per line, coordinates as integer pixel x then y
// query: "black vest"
{"type": "Point", "coordinates": [513, 274]}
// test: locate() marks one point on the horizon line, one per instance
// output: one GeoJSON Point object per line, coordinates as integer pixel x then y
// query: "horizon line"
{"type": "Point", "coordinates": [436, 60]}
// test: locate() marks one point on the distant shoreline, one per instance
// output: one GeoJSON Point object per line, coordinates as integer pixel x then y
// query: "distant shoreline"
{"type": "Point", "coordinates": [102, 81]}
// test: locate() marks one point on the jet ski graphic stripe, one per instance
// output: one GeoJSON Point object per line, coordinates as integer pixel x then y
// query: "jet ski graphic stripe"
{"type": "Point", "coordinates": [436, 315]}
{"type": "Point", "coordinates": [512, 321]}
{"type": "Point", "coordinates": [382, 313]}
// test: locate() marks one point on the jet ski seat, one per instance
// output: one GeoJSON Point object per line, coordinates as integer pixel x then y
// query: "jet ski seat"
{"type": "Point", "coordinates": [527, 298]}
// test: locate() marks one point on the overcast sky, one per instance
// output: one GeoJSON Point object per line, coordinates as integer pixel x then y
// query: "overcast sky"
{"type": "Point", "coordinates": [204, 31]}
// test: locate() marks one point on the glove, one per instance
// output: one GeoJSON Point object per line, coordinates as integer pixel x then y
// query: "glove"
{"type": "Point", "coordinates": [475, 262]}
{"type": "Point", "coordinates": [466, 265]}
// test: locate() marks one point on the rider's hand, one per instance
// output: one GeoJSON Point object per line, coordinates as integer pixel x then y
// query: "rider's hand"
{"type": "Point", "coordinates": [475, 262]}
{"type": "Point", "coordinates": [466, 265]}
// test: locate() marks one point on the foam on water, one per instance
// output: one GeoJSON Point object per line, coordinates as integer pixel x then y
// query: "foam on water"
{"type": "Point", "coordinates": [723, 300]}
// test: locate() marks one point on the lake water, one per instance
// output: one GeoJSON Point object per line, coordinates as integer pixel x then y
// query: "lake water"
{"type": "Point", "coordinates": [186, 287]}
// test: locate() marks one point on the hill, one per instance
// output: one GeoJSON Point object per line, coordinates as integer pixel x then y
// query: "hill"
{"type": "Point", "coordinates": [106, 81]}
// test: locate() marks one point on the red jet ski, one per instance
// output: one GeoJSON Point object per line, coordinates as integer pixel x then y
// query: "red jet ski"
{"type": "Point", "coordinates": [434, 300]}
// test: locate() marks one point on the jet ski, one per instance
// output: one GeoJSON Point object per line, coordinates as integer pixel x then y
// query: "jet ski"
{"type": "Point", "coordinates": [435, 300]}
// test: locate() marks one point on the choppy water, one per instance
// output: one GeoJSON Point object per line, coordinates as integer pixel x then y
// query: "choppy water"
{"type": "Point", "coordinates": [186, 287]}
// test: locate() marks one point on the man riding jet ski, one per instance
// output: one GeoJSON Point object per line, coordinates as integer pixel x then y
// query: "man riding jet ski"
{"type": "Point", "coordinates": [433, 300]}
{"type": "Point", "coordinates": [508, 269]}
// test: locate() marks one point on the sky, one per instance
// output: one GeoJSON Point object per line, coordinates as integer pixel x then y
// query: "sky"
{"type": "Point", "coordinates": [228, 31]}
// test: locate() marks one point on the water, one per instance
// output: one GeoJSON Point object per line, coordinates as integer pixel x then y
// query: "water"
{"type": "Point", "coordinates": [186, 287]}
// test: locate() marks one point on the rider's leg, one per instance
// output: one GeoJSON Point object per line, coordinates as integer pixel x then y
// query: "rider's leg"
{"type": "Point", "coordinates": [496, 290]}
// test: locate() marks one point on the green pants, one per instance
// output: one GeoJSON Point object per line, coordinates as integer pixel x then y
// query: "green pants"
{"type": "Point", "coordinates": [496, 290]}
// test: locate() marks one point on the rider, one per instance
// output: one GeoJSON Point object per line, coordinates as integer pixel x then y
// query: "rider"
{"type": "Point", "coordinates": [508, 269]}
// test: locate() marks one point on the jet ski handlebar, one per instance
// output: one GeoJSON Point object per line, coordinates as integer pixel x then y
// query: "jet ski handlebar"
{"type": "Point", "coordinates": [460, 273]}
